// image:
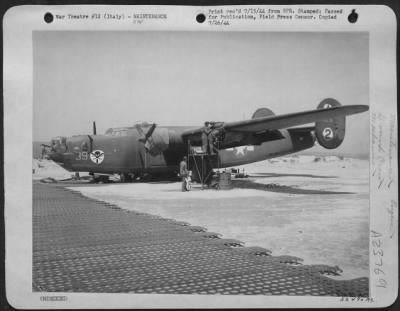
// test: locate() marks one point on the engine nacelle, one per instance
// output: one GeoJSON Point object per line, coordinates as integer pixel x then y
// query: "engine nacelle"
{"type": "Point", "coordinates": [158, 142]}
{"type": "Point", "coordinates": [330, 133]}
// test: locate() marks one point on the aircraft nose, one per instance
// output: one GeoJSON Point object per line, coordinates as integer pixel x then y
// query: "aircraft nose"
{"type": "Point", "coordinates": [56, 156]}
{"type": "Point", "coordinates": [57, 149]}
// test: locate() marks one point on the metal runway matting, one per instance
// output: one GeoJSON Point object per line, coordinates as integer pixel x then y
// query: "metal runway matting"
{"type": "Point", "coordinates": [86, 245]}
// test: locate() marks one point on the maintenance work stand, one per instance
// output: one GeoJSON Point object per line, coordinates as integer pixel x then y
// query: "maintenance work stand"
{"type": "Point", "coordinates": [202, 163]}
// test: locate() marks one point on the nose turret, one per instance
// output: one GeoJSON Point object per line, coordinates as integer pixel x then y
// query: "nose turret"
{"type": "Point", "coordinates": [58, 146]}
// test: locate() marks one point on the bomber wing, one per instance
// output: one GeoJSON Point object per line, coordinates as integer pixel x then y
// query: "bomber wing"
{"type": "Point", "coordinates": [276, 122]}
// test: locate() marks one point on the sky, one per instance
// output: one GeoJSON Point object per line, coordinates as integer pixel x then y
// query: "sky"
{"type": "Point", "coordinates": [186, 78]}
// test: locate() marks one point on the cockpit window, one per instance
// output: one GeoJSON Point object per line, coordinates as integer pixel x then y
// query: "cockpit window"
{"type": "Point", "coordinates": [124, 131]}
{"type": "Point", "coordinates": [143, 123]}
{"type": "Point", "coordinates": [59, 144]}
{"type": "Point", "coordinates": [117, 132]}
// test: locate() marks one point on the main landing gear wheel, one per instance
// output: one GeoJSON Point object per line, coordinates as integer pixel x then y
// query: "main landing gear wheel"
{"type": "Point", "coordinates": [123, 177]}
{"type": "Point", "coordinates": [126, 177]}
{"type": "Point", "coordinates": [146, 177]}
{"type": "Point", "coordinates": [100, 179]}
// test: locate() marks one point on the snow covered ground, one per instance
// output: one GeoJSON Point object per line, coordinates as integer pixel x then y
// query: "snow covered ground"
{"type": "Point", "coordinates": [312, 207]}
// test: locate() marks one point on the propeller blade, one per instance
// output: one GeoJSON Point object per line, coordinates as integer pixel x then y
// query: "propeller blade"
{"type": "Point", "coordinates": [150, 131]}
{"type": "Point", "coordinates": [140, 130]}
{"type": "Point", "coordinates": [145, 136]}
{"type": "Point", "coordinates": [91, 142]}
{"type": "Point", "coordinates": [94, 128]}
{"type": "Point", "coordinates": [147, 139]}
{"type": "Point", "coordinates": [148, 145]}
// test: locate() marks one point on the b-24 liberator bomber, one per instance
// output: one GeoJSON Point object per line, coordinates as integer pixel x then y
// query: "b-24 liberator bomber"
{"type": "Point", "coordinates": [149, 149]}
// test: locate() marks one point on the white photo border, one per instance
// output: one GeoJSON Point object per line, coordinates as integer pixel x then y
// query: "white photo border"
{"type": "Point", "coordinates": [20, 22]}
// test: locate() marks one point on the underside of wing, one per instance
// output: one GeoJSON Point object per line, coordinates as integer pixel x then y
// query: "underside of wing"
{"type": "Point", "coordinates": [328, 119]}
{"type": "Point", "coordinates": [277, 122]}
{"type": "Point", "coordinates": [292, 119]}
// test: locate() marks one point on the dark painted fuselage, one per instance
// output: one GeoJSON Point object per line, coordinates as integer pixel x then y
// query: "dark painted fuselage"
{"type": "Point", "coordinates": [123, 152]}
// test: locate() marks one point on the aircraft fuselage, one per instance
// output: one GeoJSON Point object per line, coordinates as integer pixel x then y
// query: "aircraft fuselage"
{"type": "Point", "coordinates": [122, 152]}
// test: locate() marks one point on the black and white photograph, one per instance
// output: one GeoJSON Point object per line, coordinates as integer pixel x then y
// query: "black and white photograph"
{"type": "Point", "coordinates": [218, 163]}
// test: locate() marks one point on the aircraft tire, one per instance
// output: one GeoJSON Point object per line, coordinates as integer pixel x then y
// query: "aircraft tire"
{"type": "Point", "coordinates": [145, 177]}
{"type": "Point", "coordinates": [122, 177]}
{"type": "Point", "coordinates": [103, 180]}
{"type": "Point", "coordinates": [125, 177]}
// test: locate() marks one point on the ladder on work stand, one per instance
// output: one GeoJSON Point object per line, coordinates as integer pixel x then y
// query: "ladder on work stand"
{"type": "Point", "coordinates": [202, 163]}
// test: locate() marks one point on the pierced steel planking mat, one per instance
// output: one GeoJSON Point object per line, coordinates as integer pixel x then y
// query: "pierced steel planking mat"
{"type": "Point", "coordinates": [86, 245]}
